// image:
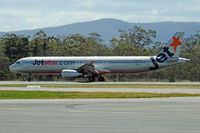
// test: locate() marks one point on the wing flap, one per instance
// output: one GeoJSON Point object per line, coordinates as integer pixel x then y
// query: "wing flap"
{"type": "Point", "coordinates": [88, 68]}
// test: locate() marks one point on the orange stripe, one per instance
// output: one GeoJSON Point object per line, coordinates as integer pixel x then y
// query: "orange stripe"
{"type": "Point", "coordinates": [101, 72]}
{"type": "Point", "coordinates": [47, 73]}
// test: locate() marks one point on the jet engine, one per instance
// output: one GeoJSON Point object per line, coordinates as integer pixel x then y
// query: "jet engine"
{"type": "Point", "coordinates": [67, 73]}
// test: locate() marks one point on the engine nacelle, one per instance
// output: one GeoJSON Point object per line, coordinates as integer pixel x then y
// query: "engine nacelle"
{"type": "Point", "coordinates": [67, 73]}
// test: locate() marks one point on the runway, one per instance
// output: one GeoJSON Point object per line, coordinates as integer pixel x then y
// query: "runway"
{"type": "Point", "coordinates": [174, 115]}
{"type": "Point", "coordinates": [35, 86]}
{"type": "Point", "coordinates": [154, 115]}
{"type": "Point", "coordinates": [148, 90]}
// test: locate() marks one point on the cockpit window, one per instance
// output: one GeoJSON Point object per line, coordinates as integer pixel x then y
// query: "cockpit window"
{"type": "Point", "coordinates": [18, 62]}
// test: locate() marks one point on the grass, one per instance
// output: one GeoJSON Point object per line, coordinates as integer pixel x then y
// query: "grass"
{"type": "Point", "coordinates": [84, 95]}
{"type": "Point", "coordinates": [168, 86]}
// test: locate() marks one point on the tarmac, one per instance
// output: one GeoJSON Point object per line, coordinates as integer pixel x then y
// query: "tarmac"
{"type": "Point", "coordinates": [152, 115]}
{"type": "Point", "coordinates": [147, 90]}
{"type": "Point", "coordinates": [35, 86]}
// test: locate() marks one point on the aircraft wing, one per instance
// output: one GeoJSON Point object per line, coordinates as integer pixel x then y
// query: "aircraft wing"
{"type": "Point", "coordinates": [88, 68]}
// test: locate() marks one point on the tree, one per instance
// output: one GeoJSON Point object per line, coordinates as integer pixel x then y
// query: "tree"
{"type": "Point", "coordinates": [15, 47]}
{"type": "Point", "coordinates": [39, 44]}
{"type": "Point", "coordinates": [5, 74]}
{"type": "Point", "coordinates": [133, 41]}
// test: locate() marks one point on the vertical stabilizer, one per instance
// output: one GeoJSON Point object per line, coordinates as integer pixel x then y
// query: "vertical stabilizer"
{"type": "Point", "coordinates": [173, 46]}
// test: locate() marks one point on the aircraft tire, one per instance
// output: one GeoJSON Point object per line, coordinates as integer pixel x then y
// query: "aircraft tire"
{"type": "Point", "coordinates": [101, 79]}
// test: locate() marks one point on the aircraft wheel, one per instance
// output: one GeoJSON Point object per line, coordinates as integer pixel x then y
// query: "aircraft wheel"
{"type": "Point", "coordinates": [101, 79]}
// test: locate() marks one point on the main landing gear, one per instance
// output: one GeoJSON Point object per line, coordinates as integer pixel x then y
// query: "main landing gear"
{"type": "Point", "coordinates": [92, 79]}
{"type": "Point", "coordinates": [101, 79]}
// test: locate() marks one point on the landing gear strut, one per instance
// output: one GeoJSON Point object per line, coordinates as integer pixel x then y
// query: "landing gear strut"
{"type": "Point", "coordinates": [29, 77]}
{"type": "Point", "coordinates": [91, 79]}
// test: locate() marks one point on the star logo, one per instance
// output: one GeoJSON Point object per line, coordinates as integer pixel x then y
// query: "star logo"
{"type": "Point", "coordinates": [92, 62]}
{"type": "Point", "coordinates": [175, 43]}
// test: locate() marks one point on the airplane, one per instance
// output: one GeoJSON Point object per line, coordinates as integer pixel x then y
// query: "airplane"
{"type": "Point", "coordinates": [95, 66]}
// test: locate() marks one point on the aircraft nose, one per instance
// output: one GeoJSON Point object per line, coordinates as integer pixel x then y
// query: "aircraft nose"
{"type": "Point", "coordinates": [12, 68]}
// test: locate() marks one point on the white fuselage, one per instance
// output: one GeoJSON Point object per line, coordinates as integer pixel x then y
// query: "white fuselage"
{"type": "Point", "coordinates": [103, 64]}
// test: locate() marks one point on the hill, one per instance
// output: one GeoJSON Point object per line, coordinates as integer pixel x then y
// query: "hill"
{"type": "Point", "coordinates": [108, 28]}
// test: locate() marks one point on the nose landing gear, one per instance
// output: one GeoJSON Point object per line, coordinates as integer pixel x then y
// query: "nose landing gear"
{"type": "Point", "coordinates": [29, 77]}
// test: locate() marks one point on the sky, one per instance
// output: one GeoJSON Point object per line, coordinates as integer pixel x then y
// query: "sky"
{"type": "Point", "coordinates": [32, 14]}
